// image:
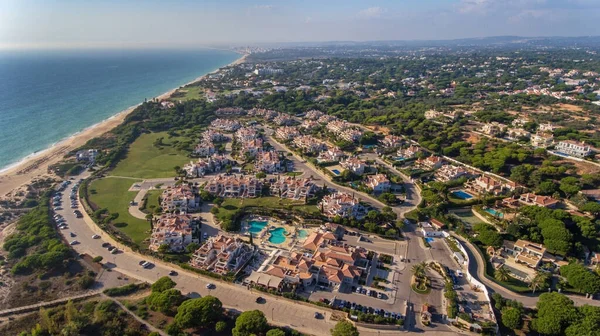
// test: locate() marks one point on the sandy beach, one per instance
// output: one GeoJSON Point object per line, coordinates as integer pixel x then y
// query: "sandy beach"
{"type": "Point", "coordinates": [36, 166]}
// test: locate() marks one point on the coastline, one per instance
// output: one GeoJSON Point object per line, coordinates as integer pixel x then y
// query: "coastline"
{"type": "Point", "coordinates": [36, 164]}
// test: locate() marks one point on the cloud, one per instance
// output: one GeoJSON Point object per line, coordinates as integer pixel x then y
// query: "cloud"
{"type": "Point", "coordinates": [498, 6]}
{"type": "Point", "coordinates": [264, 7]}
{"type": "Point", "coordinates": [372, 12]}
{"type": "Point", "coordinates": [308, 19]}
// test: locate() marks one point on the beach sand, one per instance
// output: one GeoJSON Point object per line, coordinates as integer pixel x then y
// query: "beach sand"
{"type": "Point", "coordinates": [36, 166]}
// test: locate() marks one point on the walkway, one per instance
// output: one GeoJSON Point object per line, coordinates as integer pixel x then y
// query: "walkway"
{"type": "Point", "coordinates": [137, 318]}
{"type": "Point", "coordinates": [18, 310]}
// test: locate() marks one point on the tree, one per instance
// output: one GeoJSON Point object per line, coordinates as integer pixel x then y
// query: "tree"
{"type": "Point", "coordinates": [163, 284]}
{"type": "Point", "coordinates": [86, 281]}
{"type": "Point", "coordinates": [261, 175]}
{"type": "Point", "coordinates": [539, 280]}
{"type": "Point", "coordinates": [488, 235]}
{"type": "Point", "coordinates": [199, 312]}
{"type": "Point", "coordinates": [192, 247]}
{"type": "Point", "coordinates": [555, 313]}
{"type": "Point", "coordinates": [164, 248]}
{"type": "Point", "coordinates": [220, 326]}
{"type": "Point", "coordinates": [344, 328]}
{"type": "Point", "coordinates": [276, 332]}
{"type": "Point", "coordinates": [511, 317]}
{"type": "Point", "coordinates": [570, 186]}
{"type": "Point", "coordinates": [164, 301]}
{"type": "Point", "coordinates": [588, 324]}
{"type": "Point", "coordinates": [249, 323]}
{"type": "Point", "coordinates": [502, 274]}
{"type": "Point", "coordinates": [546, 188]}
{"type": "Point", "coordinates": [591, 207]}
{"type": "Point", "coordinates": [419, 269]}
{"type": "Point", "coordinates": [97, 259]}
{"type": "Point", "coordinates": [581, 278]}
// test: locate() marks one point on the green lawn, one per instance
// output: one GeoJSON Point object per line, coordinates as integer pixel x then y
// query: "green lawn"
{"type": "Point", "coordinates": [144, 160]}
{"type": "Point", "coordinates": [152, 196]}
{"type": "Point", "coordinates": [230, 205]}
{"type": "Point", "coordinates": [189, 93]}
{"type": "Point", "coordinates": [111, 193]}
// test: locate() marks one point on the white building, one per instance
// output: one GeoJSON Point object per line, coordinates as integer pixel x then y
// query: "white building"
{"type": "Point", "coordinates": [176, 231]}
{"type": "Point", "coordinates": [542, 140]}
{"type": "Point", "coordinates": [180, 198]}
{"type": "Point", "coordinates": [343, 205]}
{"type": "Point", "coordinates": [268, 162]}
{"type": "Point", "coordinates": [354, 164]}
{"type": "Point", "coordinates": [574, 148]}
{"type": "Point", "coordinates": [379, 183]}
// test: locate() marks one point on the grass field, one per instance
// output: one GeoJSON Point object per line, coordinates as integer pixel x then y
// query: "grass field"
{"type": "Point", "coordinates": [230, 205]}
{"type": "Point", "coordinates": [152, 196]}
{"type": "Point", "coordinates": [189, 93]}
{"type": "Point", "coordinates": [111, 193]}
{"type": "Point", "coordinates": [144, 160]}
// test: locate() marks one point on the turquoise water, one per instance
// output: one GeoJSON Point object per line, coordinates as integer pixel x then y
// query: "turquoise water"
{"type": "Point", "coordinates": [335, 171]}
{"type": "Point", "coordinates": [494, 212]}
{"type": "Point", "coordinates": [47, 96]}
{"type": "Point", "coordinates": [255, 227]}
{"type": "Point", "coordinates": [302, 234]}
{"type": "Point", "coordinates": [277, 236]}
{"type": "Point", "coordinates": [399, 158]}
{"type": "Point", "coordinates": [429, 240]}
{"type": "Point", "coordinates": [462, 195]}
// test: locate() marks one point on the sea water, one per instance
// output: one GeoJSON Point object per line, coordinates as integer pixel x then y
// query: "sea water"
{"type": "Point", "coordinates": [47, 96]}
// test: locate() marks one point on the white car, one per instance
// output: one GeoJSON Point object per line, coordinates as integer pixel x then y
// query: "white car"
{"type": "Point", "coordinates": [95, 236]}
{"type": "Point", "coordinates": [74, 242]}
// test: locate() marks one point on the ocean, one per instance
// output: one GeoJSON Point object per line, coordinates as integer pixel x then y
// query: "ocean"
{"type": "Point", "coordinates": [47, 96]}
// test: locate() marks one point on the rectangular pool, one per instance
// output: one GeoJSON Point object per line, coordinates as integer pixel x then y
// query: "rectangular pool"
{"type": "Point", "coordinates": [336, 172]}
{"type": "Point", "coordinates": [494, 212]}
{"type": "Point", "coordinates": [462, 194]}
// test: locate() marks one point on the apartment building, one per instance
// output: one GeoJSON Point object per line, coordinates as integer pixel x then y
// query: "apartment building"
{"type": "Point", "coordinates": [267, 115]}
{"type": "Point", "coordinates": [542, 140]}
{"type": "Point", "coordinates": [246, 134]}
{"type": "Point", "coordinates": [351, 134]}
{"type": "Point", "coordinates": [214, 163]}
{"type": "Point", "coordinates": [354, 164]}
{"type": "Point", "coordinates": [379, 183]}
{"type": "Point", "coordinates": [292, 188]}
{"type": "Point", "coordinates": [252, 147]}
{"type": "Point", "coordinates": [229, 111]}
{"type": "Point", "coordinates": [287, 133]}
{"type": "Point", "coordinates": [313, 115]}
{"type": "Point", "coordinates": [176, 231]}
{"type": "Point", "coordinates": [309, 144]}
{"type": "Point", "coordinates": [337, 126]}
{"type": "Point", "coordinates": [309, 125]}
{"type": "Point", "coordinates": [283, 120]}
{"type": "Point", "coordinates": [181, 197]}
{"type": "Point", "coordinates": [574, 148]}
{"type": "Point", "coordinates": [430, 163]}
{"type": "Point", "coordinates": [409, 152]}
{"type": "Point", "coordinates": [343, 205]}
{"type": "Point", "coordinates": [234, 186]}
{"type": "Point", "coordinates": [493, 128]}
{"type": "Point", "coordinates": [268, 162]}
{"type": "Point", "coordinates": [227, 125]}
{"type": "Point", "coordinates": [325, 119]}
{"type": "Point", "coordinates": [222, 255]}
{"type": "Point", "coordinates": [450, 173]}
{"type": "Point", "coordinates": [332, 154]}
{"type": "Point", "coordinates": [392, 141]}
{"type": "Point", "coordinates": [547, 127]}
{"type": "Point", "coordinates": [205, 148]}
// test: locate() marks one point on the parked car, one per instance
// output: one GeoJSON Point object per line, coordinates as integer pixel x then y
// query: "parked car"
{"type": "Point", "coordinates": [141, 262]}
{"type": "Point", "coordinates": [317, 315]}
{"type": "Point", "coordinates": [74, 242]}
{"type": "Point", "coordinates": [72, 234]}
{"type": "Point", "coordinates": [95, 236]}
{"type": "Point", "coordinates": [260, 299]}
{"type": "Point", "coordinates": [107, 245]}
{"type": "Point", "coordinates": [358, 289]}
{"type": "Point", "coordinates": [114, 251]}
{"type": "Point", "coordinates": [459, 273]}
{"type": "Point", "coordinates": [210, 286]}
{"type": "Point", "coordinates": [172, 273]}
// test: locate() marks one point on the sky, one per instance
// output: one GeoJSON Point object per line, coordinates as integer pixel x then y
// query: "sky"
{"type": "Point", "coordinates": [189, 23]}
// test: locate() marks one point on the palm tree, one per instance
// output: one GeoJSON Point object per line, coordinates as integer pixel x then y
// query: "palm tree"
{"type": "Point", "coordinates": [538, 280]}
{"type": "Point", "coordinates": [419, 269]}
{"type": "Point", "coordinates": [502, 274]}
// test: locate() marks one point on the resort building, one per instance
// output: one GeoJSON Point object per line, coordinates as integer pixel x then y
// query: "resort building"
{"type": "Point", "coordinates": [309, 125]}
{"type": "Point", "coordinates": [287, 133]}
{"type": "Point", "coordinates": [392, 141]}
{"type": "Point", "coordinates": [204, 166]}
{"type": "Point", "coordinates": [267, 115]}
{"type": "Point", "coordinates": [493, 128]}
{"type": "Point", "coordinates": [343, 205]}
{"type": "Point", "coordinates": [488, 185]}
{"type": "Point", "coordinates": [233, 186]}
{"type": "Point", "coordinates": [574, 148]}
{"type": "Point", "coordinates": [176, 231]}
{"type": "Point", "coordinates": [229, 111]}
{"type": "Point", "coordinates": [210, 135]}
{"type": "Point", "coordinates": [283, 120]}
{"type": "Point", "coordinates": [324, 119]}
{"type": "Point", "coordinates": [268, 162]}
{"type": "Point", "coordinates": [332, 154]}
{"type": "Point", "coordinates": [292, 188]}
{"type": "Point", "coordinates": [379, 183]}
{"type": "Point", "coordinates": [351, 134]}
{"type": "Point", "coordinates": [313, 115]}
{"type": "Point", "coordinates": [246, 134]}
{"type": "Point", "coordinates": [430, 163]}
{"type": "Point", "coordinates": [227, 125]}
{"type": "Point", "coordinates": [354, 164]}
{"type": "Point", "coordinates": [205, 148]}
{"type": "Point", "coordinates": [267, 71]}
{"type": "Point", "coordinates": [542, 140]}
{"type": "Point", "coordinates": [525, 252]}
{"type": "Point", "coordinates": [547, 127]}
{"type": "Point", "coordinates": [252, 147]}
{"type": "Point", "coordinates": [337, 126]}
{"type": "Point", "coordinates": [222, 255]}
{"type": "Point", "coordinates": [515, 134]}
{"type": "Point", "coordinates": [309, 144]}
{"type": "Point", "coordinates": [450, 172]}
{"type": "Point", "coordinates": [409, 152]}
{"type": "Point", "coordinates": [181, 197]}
{"type": "Point", "coordinates": [530, 199]}
{"type": "Point", "coordinates": [86, 155]}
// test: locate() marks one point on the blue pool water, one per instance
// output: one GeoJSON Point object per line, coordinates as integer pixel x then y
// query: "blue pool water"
{"type": "Point", "coordinates": [399, 158]}
{"type": "Point", "coordinates": [369, 146]}
{"type": "Point", "coordinates": [494, 212]}
{"type": "Point", "coordinates": [302, 234]}
{"type": "Point", "coordinates": [277, 236]}
{"type": "Point", "coordinates": [335, 171]}
{"type": "Point", "coordinates": [256, 226]}
{"type": "Point", "coordinates": [429, 240]}
{"type": "Point", "coordinates": [462, 195]}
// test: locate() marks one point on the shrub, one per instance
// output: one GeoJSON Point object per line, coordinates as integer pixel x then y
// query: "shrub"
{"type": "Point", "coordinates": [97, 259]}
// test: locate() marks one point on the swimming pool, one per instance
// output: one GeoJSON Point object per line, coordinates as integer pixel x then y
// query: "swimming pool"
{"type": "Point", "coordinates": [399, 158]}
{"type": "Point", "coordinates": [462, 195]}
{"type": "Point", "coordinates": [429, 240]}
{"type": "Point", "coordinates": [255, 227]}
{"type": "Point", "coordinates": [277, 235]}
{"type": "Point", "coordinates": [302, 234]}
{"type": "Point", "coordinates": [336, 172]}
{"type": "Point", "coordinates": [494, 212]}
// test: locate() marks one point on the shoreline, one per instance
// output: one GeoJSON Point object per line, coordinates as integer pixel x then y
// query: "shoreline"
{"type": "Point", "coordinates": [36, 164]}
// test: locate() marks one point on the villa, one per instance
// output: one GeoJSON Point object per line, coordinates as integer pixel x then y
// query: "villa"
{"type": "Point", "coordinates": [225, 125]}
{"type": "Point", "coordinates": [291, 188]}
{"type": "Point", "coordinates": [332, 154]}
{"type": "Point", "coordinates": [525, 252]}
{"type": "Point", "coordinates": [343, 205]}
{"type": "Point", "coordinates": [354, 164]}
{"type": "Point", "coordinates": [180, 198]}
{"type": "Point", "coordinates": [516, 134]}
{"type": "Point", "coordinates": [324, 119]}
{"type": "Point", "coordinates": [229, 111]}
{"type": "Point", "coordinates": [352, 134]}
{"type": "Point", "coordinates": [243, 186]}
{"type": "Point", "coordinates": [252, 147]}
{"type": "Point", "coordinates": [267, 115]}
{"type": "Point", "coordinates": [212, 164]}
{"type": "Point", "coordinates": [488, 185]}
{"type": "Point", "coordinates": [283, 120]}
{"type": "Point", "coordinates": [337, 126]}
{"type": "Point", "coordinates": [309, 125]}
{"type": "Point", "coordinates": [530, 199]}
{"type": "Point", "coordinates": [222, 255]}
{"type": "Point", "coordinates": [430, 162]}
{"type": "Point", "coordinates": [245, 134]}
{"type": "Point", "coordinates": [287, 133]}
{"type": "Point", "coordinates": [379, 183]}
{"type": "Point", "coordinates": [409, 153]}
{"type": "Point", "coordinates": [542, 140]}
{"type": "Point", "coordinates": [392, 141]}
{"type": "Point", "coordinates": [210, 135]}
{"type": "Point", "coordinates": [309, 144]}
{"type": "Point", "coordinates": [205, 148]}
{"type": "Point", "coordinates": [313, 115]}
{"type": "Point", "coordinates": [176, 231]}
{"type": "Point", "coordinates": [268, 162]}
{"type": "Point", "coordinates": [450, 172]}
{"type": "Point", "coordinates": [86, 155]}
{"type": "Point", "coordinates": [574, 148]}
{"type": "Point", "coordinates": [493, 128]}
{"type": "Point", "coordinates": [548, 127]}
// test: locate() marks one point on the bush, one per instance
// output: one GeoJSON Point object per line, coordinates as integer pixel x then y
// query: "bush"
{"type": "Point", "coordinates": [97, 259]}
{"type": "Point", "coordinates": [86, 282]}
{"type": "Point", "coordinates": [125, 290]}
{"type": "Point", "coordinates": [220, 326]}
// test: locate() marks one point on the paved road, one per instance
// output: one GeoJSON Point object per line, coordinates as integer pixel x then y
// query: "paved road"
{"type": "Point", "coordinates": [477, 270]}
